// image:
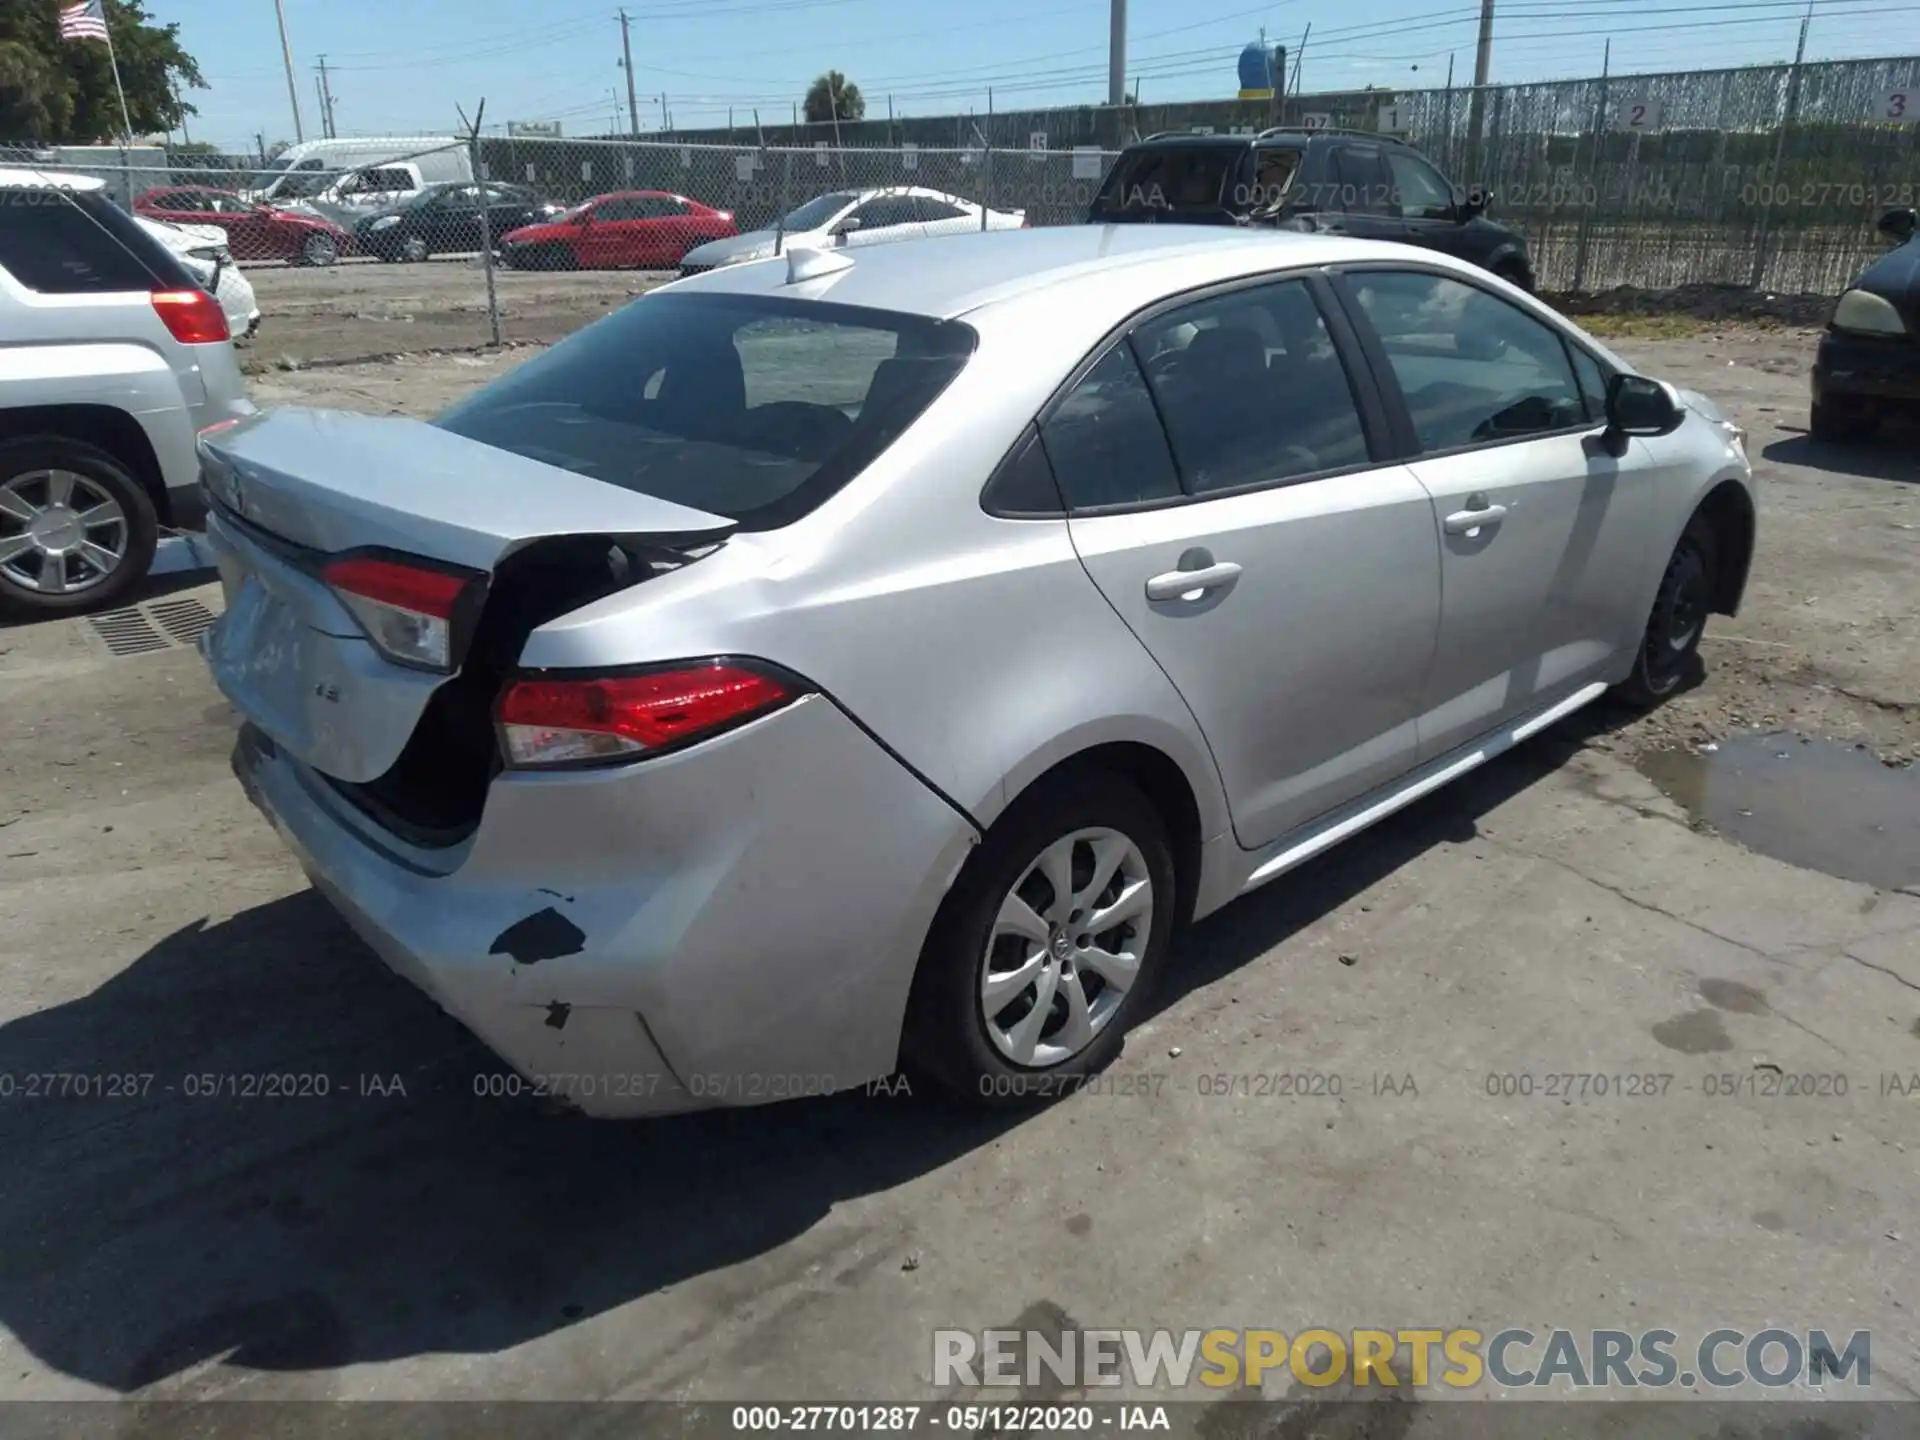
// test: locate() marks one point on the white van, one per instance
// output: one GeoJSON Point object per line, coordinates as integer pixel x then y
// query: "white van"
{"type": "Point", "coordinates": [316, 171]}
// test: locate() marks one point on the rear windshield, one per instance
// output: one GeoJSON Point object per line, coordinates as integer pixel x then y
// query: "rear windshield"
{"type": "Point", "coordinates": [77, 242]}
{"type": "Point", "coordinates": [752, 407]}
{"type": "Point", "coordinates": [1179, 178]}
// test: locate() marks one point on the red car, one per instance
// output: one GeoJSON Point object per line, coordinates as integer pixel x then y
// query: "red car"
{"type": "Point", "coordinates": [644, 229]}
{"type": "Point", "coordinates": [254, 232]}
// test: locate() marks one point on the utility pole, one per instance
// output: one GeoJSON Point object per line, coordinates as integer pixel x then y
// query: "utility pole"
{"type": "Point", "coordinates": [1482, 65]}
{"type": "Point", "coordinates": [327, 126]}
{"type": "Point", "coordinates": [626, 50]}
{"type": "Point", "coordinates": [1117, 54]}
{"type": "Point", "coordinates": [286, 53]}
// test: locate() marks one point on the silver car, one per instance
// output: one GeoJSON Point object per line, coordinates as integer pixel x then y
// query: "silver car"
{"type": "Point", "coordinates": [843, 661]}
{"type": "Point", "coordinates": [855, 218]}
{"type": "Point", "coordinates": [113, 355]}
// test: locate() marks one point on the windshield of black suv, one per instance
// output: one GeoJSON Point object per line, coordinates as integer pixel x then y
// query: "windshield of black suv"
{"type": "Point", "coordinates": [1183, 179]}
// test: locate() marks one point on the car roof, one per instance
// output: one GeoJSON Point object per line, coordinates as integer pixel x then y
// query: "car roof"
{"type": "Point", "coordinates": [875, 191]}
{"type": "Point", "coordinates": [944, 277]}
{"type": "Point", "coordinates": [19, 179]}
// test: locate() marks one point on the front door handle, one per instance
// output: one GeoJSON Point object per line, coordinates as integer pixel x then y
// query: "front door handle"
{"type": "Point", "coordinates": [1179, 584]}
{"type": "Point", "coordinates": [1465, 522]}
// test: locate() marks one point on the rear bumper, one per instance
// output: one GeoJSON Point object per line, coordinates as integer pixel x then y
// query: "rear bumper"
{"type": "Point", "coordinates": [732, 925]}
{"type": "Point", "coordinates": [1852, 368]}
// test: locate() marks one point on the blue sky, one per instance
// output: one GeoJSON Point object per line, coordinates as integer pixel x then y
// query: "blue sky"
{"type": "Point", "coordinates": [401, 66]}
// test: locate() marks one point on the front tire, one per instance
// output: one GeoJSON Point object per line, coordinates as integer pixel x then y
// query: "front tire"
{"type": "Point", "coordinates": [414, 249]}
{"type": "Point", "coordinates": [1670, 647]}
{"type": "Point", "coordinates": [77, 530]}
{"type": "Point", "coordinates": [1044, 951]}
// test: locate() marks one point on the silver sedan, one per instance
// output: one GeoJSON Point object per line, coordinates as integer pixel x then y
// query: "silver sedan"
{"type": "Point", "coordinates": [852, 660]}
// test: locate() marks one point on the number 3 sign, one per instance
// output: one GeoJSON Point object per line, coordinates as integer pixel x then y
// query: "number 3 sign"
{"type": "Point", "coordinates": [1902, 107]}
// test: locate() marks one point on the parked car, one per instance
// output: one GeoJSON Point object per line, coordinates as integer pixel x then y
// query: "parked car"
{"type": "Point", "coordinates": [777, 680]}
{"type": "Point", "coordinates": [1868, 364]}
{"type": "Point", "coordinates": [448, 219]}
{"type": "Point", "coordinates": [116, 357]}
{"type": "Point", "coordinates": [647, 229]}
{"type": "Point", "coordinates": [254, 231]}
{"type": "Point", "coordinates": [203, 250]}
{"type": "Point", "coordinates": [856, 217]}
{"type": "Point", "coordinates": [1369, 186]}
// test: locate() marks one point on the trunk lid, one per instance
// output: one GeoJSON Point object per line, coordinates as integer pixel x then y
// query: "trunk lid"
{"type": "Point", "coordinates": [293, 489]}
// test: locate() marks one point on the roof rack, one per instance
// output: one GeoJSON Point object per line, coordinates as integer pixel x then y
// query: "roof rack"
{"type": "Point", "coordinates": [1328, 130]}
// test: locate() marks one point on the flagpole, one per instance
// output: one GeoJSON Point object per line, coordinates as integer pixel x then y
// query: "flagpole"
{"type": "Point", "coordinates": [107, 24]}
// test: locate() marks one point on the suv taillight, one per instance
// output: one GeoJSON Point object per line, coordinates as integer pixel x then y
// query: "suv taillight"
{"type": "Point", "coordinates": [408, 610]}
{"type": "Point", "coordinates": [193, 317]}
{"type": "Point", "coordinates": [598, 719]}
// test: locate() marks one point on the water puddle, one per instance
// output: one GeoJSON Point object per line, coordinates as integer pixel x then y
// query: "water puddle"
{"type": "Point", "coordinates": [1810, 803]}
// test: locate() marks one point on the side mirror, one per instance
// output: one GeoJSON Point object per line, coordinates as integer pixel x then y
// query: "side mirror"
{"type": "Point", "coordinates": [1478, 202]}
{"type": "Point", "coordinates": [583, 219]}
{"type": "Point", "coordinates": [1899, 225]}
{"type": "Point", "coordinates": [847, 226]}
{"type": "Point", "coordinates": [1638, 405]}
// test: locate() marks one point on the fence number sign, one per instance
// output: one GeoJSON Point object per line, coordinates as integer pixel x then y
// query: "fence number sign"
{"type": "Point", "coordinates": [1037, 144]}
{"type": "Point", "coordinates": [1639, 115]}
{"type": "Point", "coordinates": [1316, 122]}
{"type": "Point", "coordinates": [1087, 162]}
{"type": "Point", "coordinates": [686, 160]}
{"type": "Point", "coordinates": [532, 173]}
{"type": "Point", "coordinates": [743, 167]}
{"type": "Point", "coordinates": [909, 156]}
{"type": "Point", "coordinates": [820, 154]}
{"type": "Point", "coordinates": [586, 169]}
{"type": "Point", "coordinates": [1902, 106]}
{"type": "Point", "coordinates": [1390, 121]}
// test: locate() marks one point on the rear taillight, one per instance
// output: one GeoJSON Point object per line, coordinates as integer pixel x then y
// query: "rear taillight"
{"type": "Point", "coordinates": [193, 317]}
{"type": "Point", "coordinates": [622, 717]}
{"type": "Point", "coordinates": [408, 610]}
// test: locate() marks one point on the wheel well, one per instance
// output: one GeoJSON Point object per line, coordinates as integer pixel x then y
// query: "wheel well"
{"type": "Point", "coordinates": [1728, 512]}
{"type": "Point", "coordinates": [1165, 786]}
{"type": "Point", "coordinates": [102, 427]}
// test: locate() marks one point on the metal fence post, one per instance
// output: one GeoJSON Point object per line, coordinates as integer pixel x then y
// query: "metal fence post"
{"type": "Point", "coordinates": [1585, 234]}
{"type": "Point", "coordinates": [486, 231]}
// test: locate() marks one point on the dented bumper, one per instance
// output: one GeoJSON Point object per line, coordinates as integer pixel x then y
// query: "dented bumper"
{"type": "Point", "coordinates": [731, 925]}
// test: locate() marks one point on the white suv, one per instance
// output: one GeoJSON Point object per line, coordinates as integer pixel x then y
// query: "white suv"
{"type": "Point", "coordinates": [114, 358]}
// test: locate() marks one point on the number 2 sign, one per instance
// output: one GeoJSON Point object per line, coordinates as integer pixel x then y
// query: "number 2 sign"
{"type": "Point", "coordinates": [1640, 115]}
{"type": "Point", "coordinates": [1902, 107]}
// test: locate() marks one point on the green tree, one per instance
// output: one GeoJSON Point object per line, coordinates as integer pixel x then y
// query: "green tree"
{"type": "Point", "coordinates": [833, 97]}
{"type": "Point", "coordinates": [62, 90]}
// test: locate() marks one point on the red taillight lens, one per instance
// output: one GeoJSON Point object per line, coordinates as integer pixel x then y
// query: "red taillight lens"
{"type": "Point", "coordinates": [569, 722]}
{"type": "Point", "coordinates": [407, 610]}
{"type": "Point", "coordinates": [193, 317]}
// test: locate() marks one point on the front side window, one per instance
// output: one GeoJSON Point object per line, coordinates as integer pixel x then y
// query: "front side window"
{"type": "Point", "coordinates": [887, 210]}
{"type": "Point", "coordinates": [817, 211]}
{"type": "Point", "coordinates": [749, 406]}
{"type": "Point", "coordinates": [1105, 440]}
{"type": "Point", "coordinates": [1251, 388]}
{"type": "Point", "coordinates": [1592, 378]}
{"type": "Point", "coordinates": [1472, 367]}
{"type": "Point", "coordinates": [1418, 189]}
{"type": "Point", "coordinates": [936, 210]}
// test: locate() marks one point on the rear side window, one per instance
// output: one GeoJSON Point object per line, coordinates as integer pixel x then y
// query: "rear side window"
{"type": "Point", "coordinates": [1105, 439]}
{"type": "Point", "coordinates": [1170, 177]}
{"type": "Point", "coordinates": [748, 406]}
{"type": "Point", "coordinates": [63, 242]}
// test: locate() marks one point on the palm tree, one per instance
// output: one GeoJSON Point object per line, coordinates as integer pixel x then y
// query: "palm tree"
{"type": "Point", "coordinates": [834, 97]}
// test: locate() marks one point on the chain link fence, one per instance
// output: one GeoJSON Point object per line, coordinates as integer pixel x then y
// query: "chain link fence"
{"type": "Point", "coordinates": [1767, 178]}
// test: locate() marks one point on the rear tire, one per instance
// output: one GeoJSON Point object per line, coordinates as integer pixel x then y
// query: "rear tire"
{"type": "Point", "coordinates": [1514, 274]}
{"type": "Point", "coordinates": [414, 249]}
{"type": "Point", "coordinates": [77, 530]}
{"type": "Point", "coordinates": [1004, 917]}
{"type": "Point", "coordinates": [1670, 645]}
{"type": "Point", "coordinates": [319, 250]}
{"type": "Point", "coordinates": [1840, 426]}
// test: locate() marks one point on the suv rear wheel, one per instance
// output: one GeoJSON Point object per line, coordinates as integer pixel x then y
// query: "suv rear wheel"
{"type": "Point", "coordinates": [76, 529]}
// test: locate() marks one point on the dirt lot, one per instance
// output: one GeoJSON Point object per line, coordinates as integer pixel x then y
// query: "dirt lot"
{"type": "Point", "coordinates": [1558, 912]}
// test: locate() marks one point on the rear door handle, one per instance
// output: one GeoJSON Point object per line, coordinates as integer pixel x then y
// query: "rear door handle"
{"type": "Point", "coordinates": [1177, 584]}
{"type": "Point", "coordinates": [1462, 522]}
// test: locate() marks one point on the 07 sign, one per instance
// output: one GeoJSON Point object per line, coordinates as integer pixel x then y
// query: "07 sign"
{"type": "Point", "coordinates": [1900, 107]}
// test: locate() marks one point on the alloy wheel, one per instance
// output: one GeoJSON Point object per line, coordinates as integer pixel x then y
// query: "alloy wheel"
{"type": "Point", "coordinates": [1065, 947]}
{"type": "Point", "coordinates": [60, 532]}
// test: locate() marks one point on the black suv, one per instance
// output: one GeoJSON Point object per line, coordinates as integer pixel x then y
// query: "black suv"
{"type": "Point", "coordinates": [1340, 182]}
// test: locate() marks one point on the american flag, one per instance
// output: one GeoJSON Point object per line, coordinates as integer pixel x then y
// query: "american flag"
{"type": "Point", "coordinates": [84, 21]}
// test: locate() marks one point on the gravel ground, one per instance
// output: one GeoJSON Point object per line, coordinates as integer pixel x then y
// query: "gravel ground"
{"type": "Point", "coordinates": [404, 1237]}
